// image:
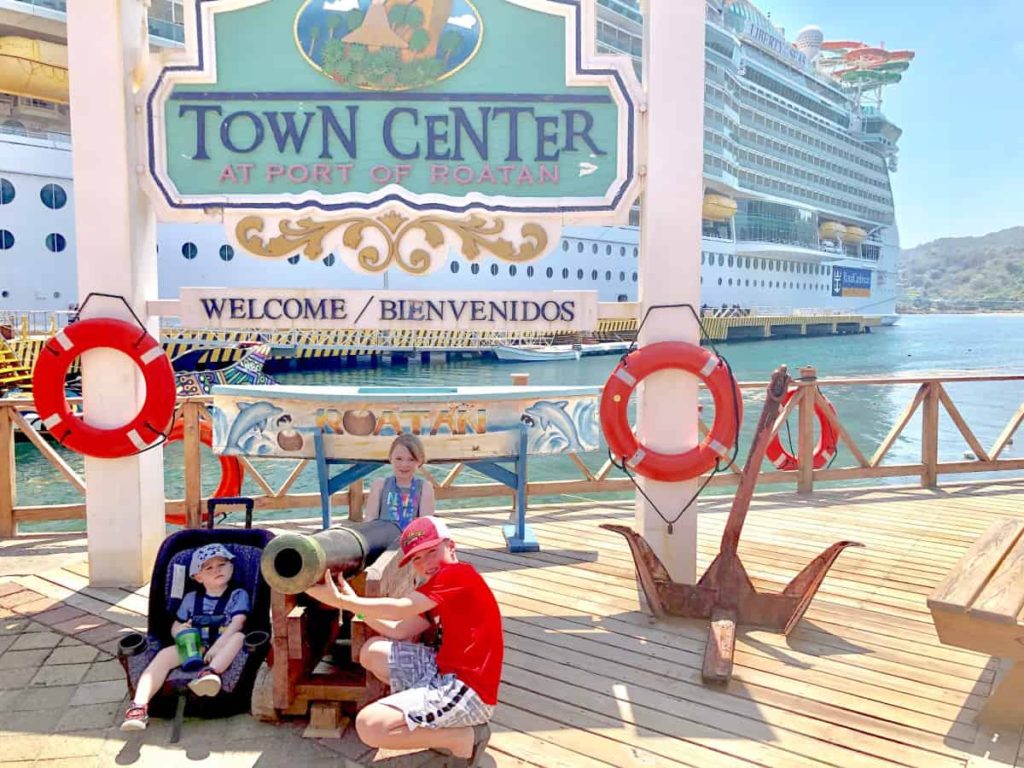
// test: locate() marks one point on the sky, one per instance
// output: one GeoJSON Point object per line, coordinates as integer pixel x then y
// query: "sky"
{"type": "Point", "coordinates": [960, 105]}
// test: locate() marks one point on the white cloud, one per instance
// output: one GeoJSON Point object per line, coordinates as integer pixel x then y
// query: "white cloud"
{"type": "Point", "coordinates": [341, 5]}
{"type": "Point", "coordinates": [467, 21]}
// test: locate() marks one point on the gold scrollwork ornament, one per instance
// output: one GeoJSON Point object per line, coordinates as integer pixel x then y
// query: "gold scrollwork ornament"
{"type": "Point", "coordinates": [475, 233]}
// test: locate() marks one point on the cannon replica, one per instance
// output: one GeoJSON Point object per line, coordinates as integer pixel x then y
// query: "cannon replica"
{"type": "Point", "coordinates": [314, 665]}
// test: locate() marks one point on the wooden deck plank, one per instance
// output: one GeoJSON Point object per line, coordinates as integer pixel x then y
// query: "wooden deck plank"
{"type": "Point", "coordinates": [591, 681]}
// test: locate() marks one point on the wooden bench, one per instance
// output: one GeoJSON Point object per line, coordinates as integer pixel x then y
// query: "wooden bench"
{"type": "Point", "coordinates": [978, 607]}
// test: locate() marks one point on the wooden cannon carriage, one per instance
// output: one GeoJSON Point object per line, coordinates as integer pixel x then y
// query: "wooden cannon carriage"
{"type": "Point", "coordinates": [313, 667]}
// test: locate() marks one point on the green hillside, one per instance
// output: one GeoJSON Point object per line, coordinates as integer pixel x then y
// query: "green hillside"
{"type": "Point", "coordinates": [968, 272]}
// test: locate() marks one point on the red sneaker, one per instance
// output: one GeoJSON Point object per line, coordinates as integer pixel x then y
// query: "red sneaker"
{"type": "Point", "coordinates": [135, 718]}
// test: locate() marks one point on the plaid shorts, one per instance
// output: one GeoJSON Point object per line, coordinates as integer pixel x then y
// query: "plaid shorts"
{"type": "Point", "coordinates": [427, 698]}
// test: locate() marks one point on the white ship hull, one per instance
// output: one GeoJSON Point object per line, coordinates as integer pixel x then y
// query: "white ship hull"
{"type": "Point", "coordinates": [780, 178]}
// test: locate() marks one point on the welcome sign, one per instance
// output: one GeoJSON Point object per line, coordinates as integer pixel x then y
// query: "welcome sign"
{"type": "Point", "coordinates": [392, 132]}
{"type": "Point", "coordinates": [243, 308]}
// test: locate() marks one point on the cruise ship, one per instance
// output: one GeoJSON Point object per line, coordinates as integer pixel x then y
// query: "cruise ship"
{"type": "Point", "coordinates": [798, 210]}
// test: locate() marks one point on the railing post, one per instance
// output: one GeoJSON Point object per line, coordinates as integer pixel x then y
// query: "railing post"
{"type": "Point", "coordinates": [355, 502]}
{"type": "Point", "coordinates": [930, 436]}
{"type": "Point", "coordinates": [805, 436]}
{"type": "Point", "coordinates": [8, 487]}
{"type": "Point", "coordinates": [193, 466]}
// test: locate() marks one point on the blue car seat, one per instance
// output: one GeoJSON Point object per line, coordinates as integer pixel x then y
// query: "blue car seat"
{"type": "Point", "coordinates": [169, 584]}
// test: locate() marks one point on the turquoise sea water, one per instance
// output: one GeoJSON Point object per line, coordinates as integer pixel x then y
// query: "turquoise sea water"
{"type": "Point", "coordinates": [917, 344]}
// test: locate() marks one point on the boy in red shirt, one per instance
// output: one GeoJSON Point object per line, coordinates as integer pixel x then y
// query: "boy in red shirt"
{"type": "Point", "coordinates": [442, 698]}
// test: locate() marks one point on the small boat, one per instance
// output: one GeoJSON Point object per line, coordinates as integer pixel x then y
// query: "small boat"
{"type": "Point", "coordinates": [536, 353]}
{"type": "Point", "coordinates": [605, 348]}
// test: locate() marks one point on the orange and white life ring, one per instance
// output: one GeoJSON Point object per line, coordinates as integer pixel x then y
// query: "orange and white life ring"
{"type": "Point", "coordinates": [231, 472]}
{"type": "Point", "coordinates": [669, 355]}
{"type": "Point", "coordinates": [71, 430]}
{"type": "Point", "coordinates": [828, 441]}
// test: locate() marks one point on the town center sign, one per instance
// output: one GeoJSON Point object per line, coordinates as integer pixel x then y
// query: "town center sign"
{"type": "Point", "coordinates": [393, 132]}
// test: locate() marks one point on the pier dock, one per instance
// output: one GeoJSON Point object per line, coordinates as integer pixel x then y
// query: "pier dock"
{"type": "Point", "coordinates": [590, 680]}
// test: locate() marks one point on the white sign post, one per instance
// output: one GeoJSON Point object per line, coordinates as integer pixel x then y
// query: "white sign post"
{"type": "Point", "coordinates": [670, 235]}
{"type": "Point", "coordinates": [116, 232]}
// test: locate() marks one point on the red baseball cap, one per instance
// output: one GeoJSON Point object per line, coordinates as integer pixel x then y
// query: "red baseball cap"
{"type": "Point", "coordinates": [421, 534]}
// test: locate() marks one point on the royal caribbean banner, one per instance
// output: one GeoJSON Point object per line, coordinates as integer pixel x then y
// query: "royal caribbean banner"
{"type": "Point", "coordinates": [850, 281]}
{"type": "Point", "coordinates": [390, 132]}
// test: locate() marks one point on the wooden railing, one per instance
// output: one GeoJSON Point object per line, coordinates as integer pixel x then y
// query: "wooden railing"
{"type": "Point", "coordinates": [931, 397]}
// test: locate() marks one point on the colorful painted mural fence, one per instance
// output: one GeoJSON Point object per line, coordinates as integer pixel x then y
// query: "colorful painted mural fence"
{"type": "Point", "coordinates": [360, 423]}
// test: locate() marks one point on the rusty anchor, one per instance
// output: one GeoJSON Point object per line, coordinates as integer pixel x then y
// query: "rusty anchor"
{"type": "Point", "coordinates": [725, 594]}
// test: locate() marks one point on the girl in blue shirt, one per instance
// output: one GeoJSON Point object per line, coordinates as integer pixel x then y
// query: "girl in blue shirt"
{"type": "Point", "coordinates": [402, 497]}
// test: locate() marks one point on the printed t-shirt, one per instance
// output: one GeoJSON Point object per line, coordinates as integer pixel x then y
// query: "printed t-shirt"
{"type": "Point", "coordinates": [472, 643]}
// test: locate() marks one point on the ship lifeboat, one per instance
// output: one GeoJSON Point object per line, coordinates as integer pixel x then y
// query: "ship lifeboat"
{"type": "Point", "coordinates": [34, 69]}
{"type": "Point", "coordinates": [832, 230]}
{"type": "Point", "coordinates": [718, 207]}
{"type": "Point", "coordinates": [855, 235]}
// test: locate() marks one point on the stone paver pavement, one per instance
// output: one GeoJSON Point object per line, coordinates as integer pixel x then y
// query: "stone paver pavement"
{"type": "Point", "coordinates": [63, 693]}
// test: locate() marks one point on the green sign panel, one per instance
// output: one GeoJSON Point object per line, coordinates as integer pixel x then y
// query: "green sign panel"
{"type": "Point", "coordinates": [286, 113]}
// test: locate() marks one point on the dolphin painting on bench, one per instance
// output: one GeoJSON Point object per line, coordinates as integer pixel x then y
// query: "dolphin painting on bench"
{"type": "Point", "coordinates": [556, 424]}
{"type": "Point", "coordinates": [248, 427]}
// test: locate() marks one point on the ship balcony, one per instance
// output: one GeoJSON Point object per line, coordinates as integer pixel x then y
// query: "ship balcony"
{"type": "Point", "coordinates": [722, 175]}
{"type": "Point", "coordinates": [163, 28]}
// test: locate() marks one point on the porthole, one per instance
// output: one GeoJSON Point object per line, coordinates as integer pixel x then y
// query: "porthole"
{"type": "Point", "coordinates": [549, 272]}
{"type": "Point", "coordinates": [634, 277]}
{"type": "Point", "coordinates": [593, 275]}
{"type": "Point", "coordinates": [579, 274]}
{"type": "Point", "coordinates": [227, 253]}
{"type": "Point", "coordinates": [6, 240]}
{"type": "Point", "coordinates": [579, 247]}
{"type": "Point", "coordinates": [331, 258]}
{"type": "Point", "coordinates": [593, 249]}
{"type": "Point", "coordinates": [454, 267]}
{"type": "Point", "coordinates": [53, 196]}
{"type": "Point", "coordinates": [608, 276]}
{"type": "Point", "coordinates": [55, 242]}
{"type": "Point", "coordinates": [189, 251]}
{"type": "Point", "coordinates": [294, 259]}
{"type": "Point", "coordinates": [6, 192]}
{"type": "Point", "coordinates": [529, 271]}
{"type": "Point", "coordinates": [494, 269]}
{"type": "Point", "coordinates": [475, 269]}
{"type": "Point", "coordinates": [565, 245]}
{"type": "Point", "coordinates": [565, 273]}
{"type": "Point", "coordinates": [512, 270]}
